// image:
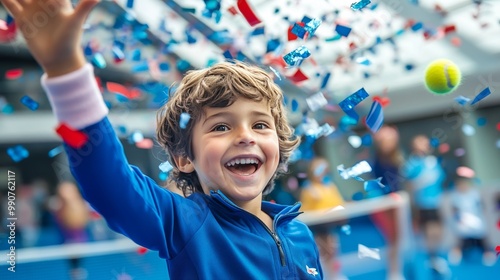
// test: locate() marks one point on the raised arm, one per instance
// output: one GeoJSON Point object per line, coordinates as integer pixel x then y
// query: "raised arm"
{"type": "Point", "coordinates": [132, 203]}
{"type": "Point", "coordinates": [52, 30]}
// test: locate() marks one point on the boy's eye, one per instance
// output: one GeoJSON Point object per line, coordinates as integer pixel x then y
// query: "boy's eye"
{"type": "Point", "coordinates": [261, 126]}
{"type": "Point", "coordinates": [221, 127]}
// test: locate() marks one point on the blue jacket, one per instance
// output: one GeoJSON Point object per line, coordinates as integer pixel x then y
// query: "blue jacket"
{"type": "Point", "coordinates": [202, 236]}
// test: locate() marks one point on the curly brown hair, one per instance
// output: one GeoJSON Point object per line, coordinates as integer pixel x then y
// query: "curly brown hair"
{"type": "Point", "coordinates": [218, 86]}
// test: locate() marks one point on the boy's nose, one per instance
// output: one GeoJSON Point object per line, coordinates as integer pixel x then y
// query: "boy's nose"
{"type": "Point", "coordinates": [245, 137]}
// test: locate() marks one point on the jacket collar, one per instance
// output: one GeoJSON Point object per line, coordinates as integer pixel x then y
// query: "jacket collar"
{"type": "Point", "coordinates": [276, 211]}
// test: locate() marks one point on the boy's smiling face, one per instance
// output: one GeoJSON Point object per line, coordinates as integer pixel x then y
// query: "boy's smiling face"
{"type": "Point", "coordinates": [236, 149]}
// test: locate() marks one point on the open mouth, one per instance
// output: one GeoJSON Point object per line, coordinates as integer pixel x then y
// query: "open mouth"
{"type": "Point", "coordinates": [244, 166]}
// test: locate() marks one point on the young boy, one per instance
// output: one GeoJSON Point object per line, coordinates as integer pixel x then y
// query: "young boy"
{"type": "Point", "coordinates": [236, 141]}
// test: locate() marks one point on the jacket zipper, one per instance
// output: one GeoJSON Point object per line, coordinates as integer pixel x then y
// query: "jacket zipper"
{"type": "Point", "coordinates": [273, 234]}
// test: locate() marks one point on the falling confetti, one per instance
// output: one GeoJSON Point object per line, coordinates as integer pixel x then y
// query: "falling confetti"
{"type": "Point", "coordinates": [480, 96]}
{"type": "Point", "coordinates": [17, 153]}
{"type": "Point", "coordinates": [184, 120]}
{"type": "Point", "coordinates": [247, 12]}
{"type": "Point", "coordinates": [348, 104]}
{"type": "Point", "coordinates": [375, 117]}
{"type": "Point", "coordinates": [356, 170]}
{"type": "Point", "coordinates": [316, 101]}
{"type": "Point", "coordinates": [29, 103]}
{"type": "Point", "coordinates": [356, 6]}
{"type": "Point", "coordinates": [166, 167]}
{"type": "Point", "coordinates": [365, 252]}
{"type": "Point", "coordinates": [295, 57]}
{"type": "Point", "coordinates": [73, 138]}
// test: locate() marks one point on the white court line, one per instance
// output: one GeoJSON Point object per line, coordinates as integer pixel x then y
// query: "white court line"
{"type": "Point", "coordinates": [48, 253]}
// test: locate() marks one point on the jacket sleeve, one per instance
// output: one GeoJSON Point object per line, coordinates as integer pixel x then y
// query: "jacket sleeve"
{"type": "Point", "coordinates": [132, 203]}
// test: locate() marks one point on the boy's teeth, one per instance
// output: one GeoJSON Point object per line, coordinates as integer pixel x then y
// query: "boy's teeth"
{"type": "Point", "coordinates": [242, 161]}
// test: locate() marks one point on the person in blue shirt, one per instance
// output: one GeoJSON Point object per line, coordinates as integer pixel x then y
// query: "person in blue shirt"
{"type": "Point", "coordinates": [425, 178]}
{"type": "Point", "coordinates": [235, 142]}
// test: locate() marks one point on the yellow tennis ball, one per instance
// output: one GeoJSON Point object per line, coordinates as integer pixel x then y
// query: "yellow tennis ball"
{"type": "Point", "coordinates": [442, 76]}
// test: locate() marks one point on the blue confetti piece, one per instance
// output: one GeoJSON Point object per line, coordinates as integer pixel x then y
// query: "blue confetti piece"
{"type": "Point", "coordinates": [272, 45]}
{"type": "Point", "coordinates": [363, 61]}
{"type": "Point", "coordinates": [355, 171]}
{"type": "Point", "coordinates": [182, 65]}
{"type": "Point", "coordinates": [346, 229]}
{"type": "Point", "coordinates": [164, 67]}
{"type": "Point", "coordinates": [17, 153]}
{"type": "Point", "coordinates": [163, 176]}
{"type": "Point", "coordinates": [135, 137]}
{"type": "Point", "coordinates": [130, 4]}
{"type": "Point", "coordinates": [121, 129]}
{"type": "Point", "coordinates": [342, 30]}
{"type": "Point", "coordinates": [54, 152]}
{"type": "Point", "coordinates": [295, 105]}
{"type": "Point", "coordinates": [366, 140]}
{"type": "Point", "coordinates": [409, 67]}
{"type": "Point", "coordinates": [434, 141]}
{"type": "Point", "coordinates": [298, 30]}
{"type": "Point", "coordinates": [480, 96]}
{"type": "Point", "coordinates": [140, 67]}
{"type": "Point", "coordinates": [356, 6]}
{"type": "Point", "coordinates": [258, 31]}
{"type": "Point", "coordinates": [311, 26]}
{"type": "Point", "coordinates": [295, 57]}
{"type": "Point", "coordinates": [184, 120]}
{"type": "Point", "coordinates": [348, 104]}
{"type": "Point", "coordinates": [7, 109]}
{"type": "Point", "coordinates": [118, 54]}
{"type": "Point", "coordinates": [136, 55]}
{"type": "Point", "coordinates": [165, 167]}
{"type": "Point", "coordinates": [481, 121]}
{"type": "Point", "coordinates": [227, 54]}
{"type": "Point", "coordinates": [29, 103]}
{"type": "Point", "coordinates": [358, 196]}
{"type": "Point", "coordinates": [325, 80]}
{"type": "Point", "coordinates": [417, 26]}
{"type": "Point", "coordinates": [373, 185]}
{"type": "Point", "coordinates": [462, 100]}
{"type": "Point", "coordinates": [375, 117]}
{"type": "Point", "coordinates": [98, 61]}
{"type": "Point", "coordinates": [87, 50]}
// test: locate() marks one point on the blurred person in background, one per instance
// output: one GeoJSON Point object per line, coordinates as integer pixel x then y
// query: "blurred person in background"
{"type": "Point", "coordinates": [322, 194]}
{"type": "Point", "coordinates": [469, 222]}
{"type": "Point", "coordinates": [72, 214]}
{"type": "Point", "coordinates": [425, 178]}
{"type": "Point", "coordinates": [386, 164]}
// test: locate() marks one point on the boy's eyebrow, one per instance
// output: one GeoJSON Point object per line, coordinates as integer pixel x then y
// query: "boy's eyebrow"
{"type": "Point", "coordinates": [228, 114]}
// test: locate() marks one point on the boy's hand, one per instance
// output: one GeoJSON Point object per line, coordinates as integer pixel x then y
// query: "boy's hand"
{"type": "Point", "coordinates": [52, 30]}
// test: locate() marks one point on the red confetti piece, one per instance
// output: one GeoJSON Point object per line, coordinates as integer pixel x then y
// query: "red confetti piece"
{"type": "Point", "coordinates": [233, 10]}
{"type": "Point", "coordinates": [497, 249]}
{"type": "Point", "coordinates": [498, 126]}
{"type": "Point", "coordinates": [292, 36]}
{"type": "Point", "coordinates": [145, 143]}
{"type": "Point", "coordinates": [384, 101]}
{"type": "Point", "coordinates": [298, 77]}
{"type": "Point", "coordinates": [73, 138]}
{"type": "Point", "coordinates": [123, 90]}
{"type": "Point", "coordinates": [13, 74]}
{"type": "Point", "coordinates": [247, 12]}
{"type": "Point", "coordinates": [444, 148]}
{"type": "Point", "coordinates": [7, 32]}
{"type": "Point", "coordinates": [456, 41]}
{"type": "Point", "coordinates": [142, 250]}
{"type": "Point", "coordinates": [449, 28]}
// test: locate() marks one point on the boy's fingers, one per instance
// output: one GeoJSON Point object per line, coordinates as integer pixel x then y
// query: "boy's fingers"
{"type": "Point", "coordinates": [83, 9]}
{"type": "Point", "coordinates": [13, 7]}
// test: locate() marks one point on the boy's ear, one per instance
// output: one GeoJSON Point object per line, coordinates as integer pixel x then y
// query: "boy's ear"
{"type": "Point", "coordinates": [184, 164]}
